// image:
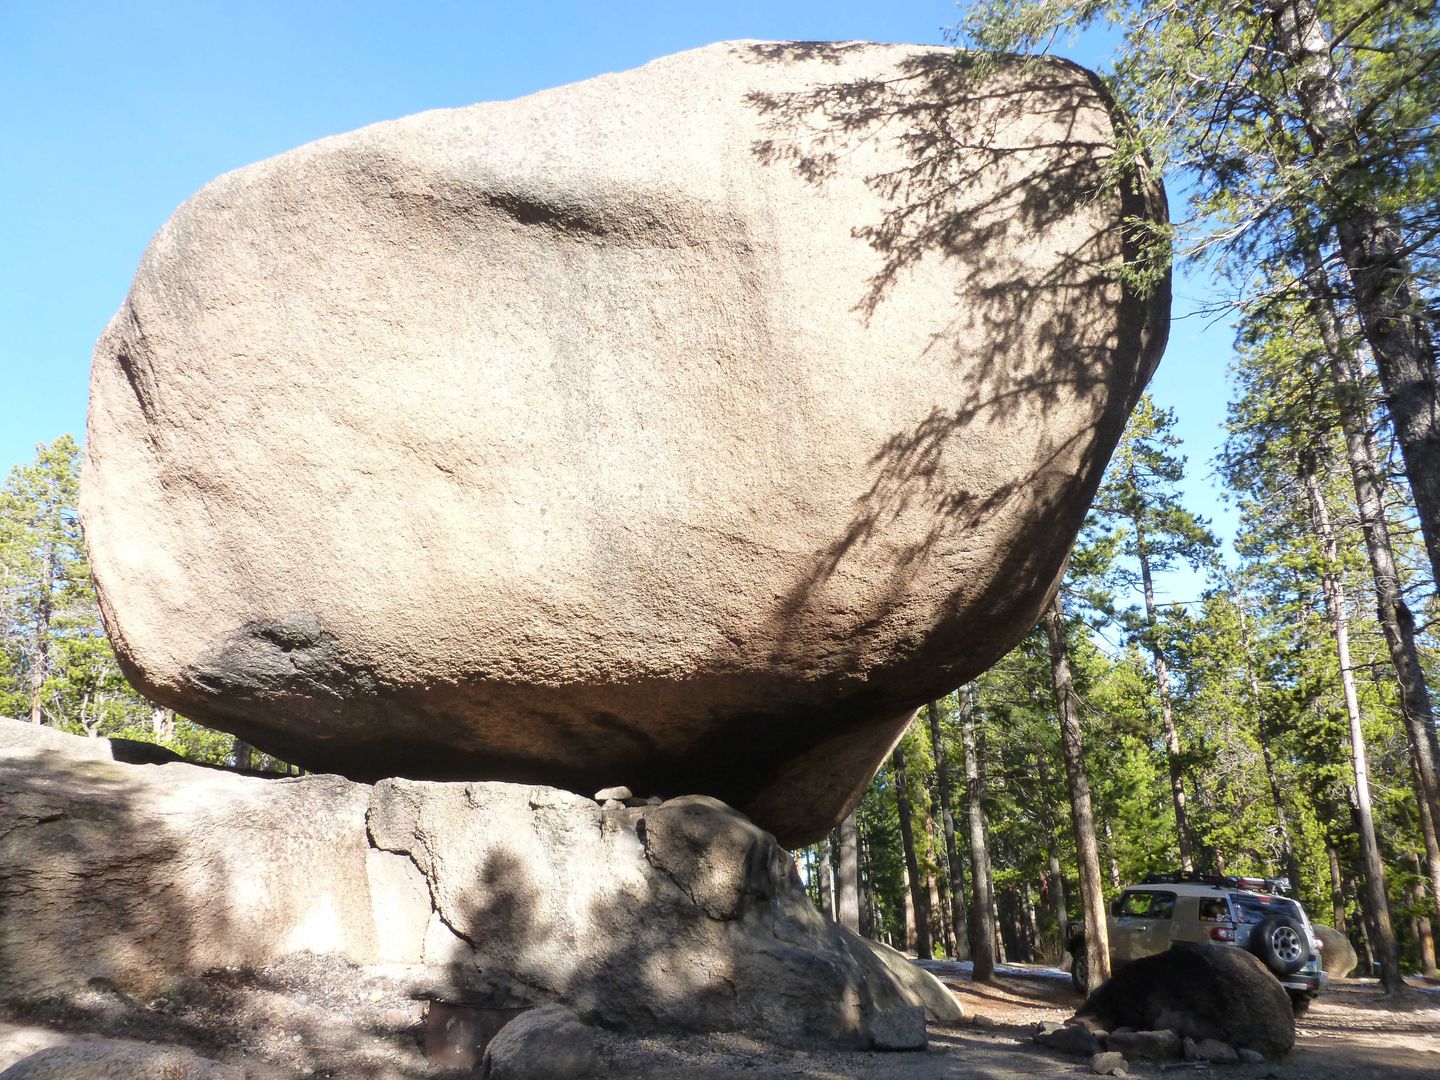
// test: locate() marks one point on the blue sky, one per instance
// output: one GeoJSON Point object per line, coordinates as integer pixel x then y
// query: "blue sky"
{"type": "Point", "coordinates": [113, 113]}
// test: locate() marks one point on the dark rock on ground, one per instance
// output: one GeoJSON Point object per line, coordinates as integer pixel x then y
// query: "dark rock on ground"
{"type": "Point", "coordinates": [1068, 1039]}
{"type": "Point", "coordinates": [1109, 1063]}
{"type": "Point", "coordinates": [1162, 1045]}
{"type": "Point", "coordinates": [548, 1043]}
{"type": "Point", "coordinates": [1203, 991]}
{"type": "Point", "coordinates": [1216, 1052]}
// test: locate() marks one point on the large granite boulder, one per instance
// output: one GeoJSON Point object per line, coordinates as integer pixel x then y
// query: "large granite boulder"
{"type": "Point", "coordinates": [684, 428]}
{"type": "Point", "coordinates": [680, 917]}
{"type": "Point", "coordinates": [1336, 951]}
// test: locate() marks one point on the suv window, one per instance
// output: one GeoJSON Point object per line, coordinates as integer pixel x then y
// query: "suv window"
{"type": "Point", "coordinates": [1250, 908]}
{"type": "Point", "coordinates": [1149, 905]}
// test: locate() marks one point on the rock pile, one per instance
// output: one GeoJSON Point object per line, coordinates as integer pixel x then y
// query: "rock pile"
{"type": "Point", "coordinates": [641, 428]}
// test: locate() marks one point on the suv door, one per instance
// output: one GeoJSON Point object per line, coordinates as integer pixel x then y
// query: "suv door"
{"type": "Point", "coordinates": [1143, 924]}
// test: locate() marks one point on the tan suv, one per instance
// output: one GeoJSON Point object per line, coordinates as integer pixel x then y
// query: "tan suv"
{"type": "Point", "coordinates": [1247, 912]}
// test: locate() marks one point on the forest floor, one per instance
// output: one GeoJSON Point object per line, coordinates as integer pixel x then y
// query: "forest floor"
{"type": "Point", "coordinates": [320, 1017]}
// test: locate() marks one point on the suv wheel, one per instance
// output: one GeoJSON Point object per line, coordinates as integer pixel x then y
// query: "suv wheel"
{"type": "Point", "coordinates": [1279, 942]}
{"type": "Point", "coordinates": [1079, 967]}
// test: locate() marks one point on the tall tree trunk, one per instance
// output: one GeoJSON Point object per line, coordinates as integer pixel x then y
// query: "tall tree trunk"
{"type": "Point", "coordinates": [1110, 858]}
{"type": "Point", "coordinates": [40, 668]}
{"type": "Point", "coordinates": [912, 932]}
{"type": "Point", "coordinates": [1363, 927]}
{"type": "Point", "coordinates": [1337, 888]}
{"type": "Point", "coordinates": [1375, 885]}
{"type": "Point", "coordinates": [1032, 925]}
{"type": "Point", "coordinates": [934, 908]}
{"type": "Point", "coordinates": [1058, 906]}
{"type": "Point", "coordinates": [959, 917]}
{"type": "Point", "coordinates": [1420, 923]}
{"type": "Point", "coordinates": [869, 912]}
{"type": "Point", "coordinates": [1397, 623]}
{"type": "Point", "coordinates": [1292, 864]}
{"type": "Point", "coordinates": [982, 906]}
{"type": "Point", "coordinates": [1287, 853]}
{"type": "Point", "coordinates": [1082, 815]}
{"type": "Point", "coordinates": [849, 890]}
{"type": "Point", "coordinates": [1392, 312]}
{"type": "Point", "coordinates": [1167, 712]}
{"type": "Point", "coordinates": [1001, 954]}
{"type": "Point", "coordinates": [827, 886]}
{"type": "Point", "coordinates": [920, 903]}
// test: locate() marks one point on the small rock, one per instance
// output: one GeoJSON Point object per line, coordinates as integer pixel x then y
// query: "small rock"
{"type": "Point", "coordinates": [612, 804]}
{"type": "Point", "coordinates": [547, 1043]}
{"type": "Point", "coordinates": [1216, 1052]}
{"type": "Point", "coordinates": [636, 802]}
{"type": "Point", "coordinates": [1045, 1027]}
{"type": "Point", "coordinates": [1187, 1049]}
{"type": "Point", "coordinates": [619, 793]}
{"type": "Point", "coordinates": [1109, 1063]}
{"type": "Point", "coordinates": [1163, 1045]}
{"type": "Point", "coordinates": [980, 1020]}
{"type": "Point", "coordinates": [654, 800]}
{"type": "Point", "coordinates": [1250, 1057]}
{"type": "Point", "coordinates": [900, 1028]}
{"type": "Point", "coordinates": [1069, 1039]}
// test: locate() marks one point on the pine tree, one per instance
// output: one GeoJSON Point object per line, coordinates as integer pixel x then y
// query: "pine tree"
{"type": "Point", "coordinates": [42, 560]}
{"type": "Point", "coordinates": [1140, 500]}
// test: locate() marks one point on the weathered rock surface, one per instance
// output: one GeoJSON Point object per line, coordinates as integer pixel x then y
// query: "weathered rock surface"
{"type": "Point", "coordinates": [1198, 991]}
{"type": "Point", "coordinates": [1068, 1039]}
{"type": "Point", "coordinates": [112, 1059]}
{"type": "Point", "coordinates": [1162, 1045]}
{"type": "Point", "coordinates": [920, 987]}
{"type": "Point", "coordinates": [680, 917]}
{"type": "Point", "coordinates": [1336, 952]}
{"type": "Point", "coordinates": [685, 428]}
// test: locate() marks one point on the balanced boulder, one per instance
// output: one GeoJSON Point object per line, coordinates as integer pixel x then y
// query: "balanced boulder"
{"type": "Point", "coordinates": [684, 428]}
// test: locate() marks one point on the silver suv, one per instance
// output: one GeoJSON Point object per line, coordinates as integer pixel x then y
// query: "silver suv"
{"type": "Point", "coordinates": [1247, 912]}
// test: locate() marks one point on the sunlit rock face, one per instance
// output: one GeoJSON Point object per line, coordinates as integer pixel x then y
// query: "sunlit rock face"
{"type": "Point", "coordinates": [684, 428]}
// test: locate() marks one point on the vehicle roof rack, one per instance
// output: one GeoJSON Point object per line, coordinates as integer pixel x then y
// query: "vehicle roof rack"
{"type": "Point", "coordinates": [1218, 881]}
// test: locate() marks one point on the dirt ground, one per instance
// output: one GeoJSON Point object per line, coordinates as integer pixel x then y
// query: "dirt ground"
{"type": "Point", "coordinates": [318, 1017]}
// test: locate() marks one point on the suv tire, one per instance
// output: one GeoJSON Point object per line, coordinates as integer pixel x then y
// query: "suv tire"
{"type": "Point", "coordinates": [1280, 944]}
{"type": "Point", "coordinates": [1079, 967]}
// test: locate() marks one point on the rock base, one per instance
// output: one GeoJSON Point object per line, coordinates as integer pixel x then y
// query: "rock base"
{"type": "Point", "coordinates": [677, 917]}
